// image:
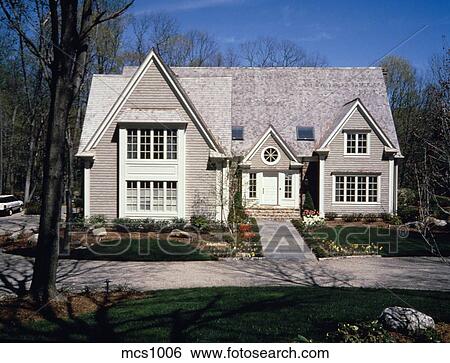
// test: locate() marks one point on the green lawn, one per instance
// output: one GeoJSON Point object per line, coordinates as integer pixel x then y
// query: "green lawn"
{"type": "Point", "coordinates": [394, 243]}
{"type": "Point", "coordinates": [230, 314]}
{"type": "Point", "coordinates": [141, 250]}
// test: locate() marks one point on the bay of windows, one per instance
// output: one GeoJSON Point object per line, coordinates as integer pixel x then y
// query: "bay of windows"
{"type": "Point", "coordinates": [356, 189]}
{"type": "Point", "coordinates": [145, 196]}
{"type": "Point", "coordinates": [356, 143]}
{"type": "Point", "coordinates": [152, 144]}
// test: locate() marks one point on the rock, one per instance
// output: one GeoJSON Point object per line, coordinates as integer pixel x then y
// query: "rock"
{"type": "Point", "coordinates": [436, 222]}
{"type": "Point", "coordinates": [99, 232]}
{"type": "Point", "coordinates": [179, 234]}
{"type": "Point", "coordinates": [32, 240]}
{"type": "Point", "coordinates": [15, 236]}
{"type": "Point", "coordinates": [405, 320]}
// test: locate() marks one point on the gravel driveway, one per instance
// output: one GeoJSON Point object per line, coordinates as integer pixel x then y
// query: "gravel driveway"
{"type": "Point", "coordinates": [17, 222]}
{"type": "Point", "coordinates": [404, 272]}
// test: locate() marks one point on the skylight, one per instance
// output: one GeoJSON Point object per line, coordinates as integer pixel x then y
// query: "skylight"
{"type": "Point", "coordinates": [237, 133]}
{"type": "Point", "coordinates": [305, 133]}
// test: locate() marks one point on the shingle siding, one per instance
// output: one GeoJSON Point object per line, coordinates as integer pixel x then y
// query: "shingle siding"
{"type": "Point", "coordinates": [257, 163]}
{"type": "Point", "coordinates": [336, 162]}
{"type": "Point", "coordinates": [152, 92]}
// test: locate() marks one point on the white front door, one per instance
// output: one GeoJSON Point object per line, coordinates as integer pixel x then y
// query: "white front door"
{"type": "Point", "coordinates": [270, 189]}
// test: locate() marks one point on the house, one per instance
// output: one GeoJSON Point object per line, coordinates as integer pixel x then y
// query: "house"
{"type": "Point", "coordinates": [165, 142]}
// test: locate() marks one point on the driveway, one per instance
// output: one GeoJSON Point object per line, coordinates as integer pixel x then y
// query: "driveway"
{"type": "Point", "coordinates": [421, 273]}
{"type": "Point", "coordinates": [18, 222]}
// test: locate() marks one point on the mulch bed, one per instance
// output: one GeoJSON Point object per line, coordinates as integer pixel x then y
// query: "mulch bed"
{"type": "Point", "coordinates": [65, 306]}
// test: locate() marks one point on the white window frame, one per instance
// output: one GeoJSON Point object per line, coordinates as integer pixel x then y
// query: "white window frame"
{"type": "Point", "coordinates": [291, 178]}
{"type": "Point", "coordinates": [356, 189]}
{"type": "Point", "coordinates": [250, 190]}
{"type": "Point", "coordinates": [356, 153]}
{"type": "Point", "coordinates": [270, 162]}
{"type": "Point", "coordinates": [152, 143]}
{"type": "Point", "coordinates": [152, 209]}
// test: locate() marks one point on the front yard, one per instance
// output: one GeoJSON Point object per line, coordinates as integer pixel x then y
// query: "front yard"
{"type": "Point", "coordinates": [149, 240]}
{"type": "Point", "coordinates": [349, 239]}
{"type": "Point", "coordinates": [254, 314]}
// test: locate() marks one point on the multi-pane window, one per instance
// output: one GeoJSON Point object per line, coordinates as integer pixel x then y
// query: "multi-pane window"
{"type": "Point", "coordinates": [146, 144]}
{"type": "Point", "coordinates": [145, 195]}
{"type": "Point", "coordinates": [372, 189]}
{"type": "Point", "coordinates": [359, 189]}
{"type": "Point", "coordinates": [351, 188]}
{"type": "Point", "coordinates": [362, 143]}
{"type": "Point", "coordinates": [252, 185]}
{"type": "Point", "coordinates": [152, 144]}
{"type": "Point", "coordinates": [362, 189]}
{"type": "Point", "coordinates": [158, 144]}
{"type": "Point", "coordinates": [340, 189]}
{"type": "Point", "coordinates": [132, 196]}
{"type": "Point", "coordinates": [132, 144]}
{"type": "Point", "coordinates": [288, 186]}
{"type": "Point", "coordinates": [171, 196]}
{"type": "Point", "coordinates": [157, 196]}
{"type": "Point", "coordinates": [357, 143]}
{"type": "Point", "coordinates": [171, 144]}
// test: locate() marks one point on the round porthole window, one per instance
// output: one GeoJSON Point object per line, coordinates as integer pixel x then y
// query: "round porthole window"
{"type": "Point", "coordinates": [270, 155]}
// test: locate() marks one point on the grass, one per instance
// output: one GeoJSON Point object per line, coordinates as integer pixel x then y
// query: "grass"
{"type": "Point", "coordinates": [229, 314]}
{"type": "Point", "coordinates": [141, 250]}
{"type": "Point", "coordinates": [394, 242]}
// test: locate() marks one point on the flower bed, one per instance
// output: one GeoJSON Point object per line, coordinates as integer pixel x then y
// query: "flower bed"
{"type": "Point", "coordinates": [324, 247]}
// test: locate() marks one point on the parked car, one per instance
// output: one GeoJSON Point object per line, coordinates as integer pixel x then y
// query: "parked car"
{"type": "Point", "coordinates": [10, 204]}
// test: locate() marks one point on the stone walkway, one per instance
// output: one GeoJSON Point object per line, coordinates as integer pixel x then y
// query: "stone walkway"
{"type": "Point", "coordinates": [18, 222]}
{"type": "Point", "coordinates": [281, 240]}
{"type": "Point", "coordinates": [422, 273]}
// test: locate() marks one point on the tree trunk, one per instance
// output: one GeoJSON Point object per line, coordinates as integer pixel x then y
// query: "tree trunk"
{"type": "Point", "coordinates": [30, 163]}
{"type": "Point", "coordinates": [43, 286]}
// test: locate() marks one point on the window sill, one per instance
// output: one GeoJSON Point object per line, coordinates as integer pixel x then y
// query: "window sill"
{"type": "Point", "coordinates": [356, 155]}
{"type": "Point", "coordinates": [356, 203]}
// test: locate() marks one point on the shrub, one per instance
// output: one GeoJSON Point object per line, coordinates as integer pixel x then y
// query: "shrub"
{"type": "Point", "coordinates": [366, 332]}
{"type": "Point", "coordinates": [33, 208]}
{"type": "Point", "coordinates": [97, 221]}
{"type": "Point", "coordinates": [407, 196]}
{"type": "Point", "coordinates": [200, 222]}
{"type": "Point", "coordinates": [320, 252]}
{"type": "Point", "coordinates": [178, 223]}
{"type": "Point", "coordinates": [395, 220]}
{"type": "Point", "coordinates": [237, 214]}
{"type": "Point", "coordinates": [330, 216]}
{"type": "Point", "coordinates": [79, 222]}
{"type": "Point", "coordinates": [301, 227]}
{"type": "Point", "coordinates": [370, 217]}
{"type": "Point", "coordinates": [245, 227]}
{"type": "Point", "coordinates": [228, 238]}
{"type": "Point", "coordinates": [408, 213]}
{"type": "Point", "coordinates": [308, 204]}
{"type": "Point", "coordinates": [354, 217]}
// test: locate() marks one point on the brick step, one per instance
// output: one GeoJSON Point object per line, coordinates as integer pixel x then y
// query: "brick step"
{"type": "Point", "coordinates": [273, 213]}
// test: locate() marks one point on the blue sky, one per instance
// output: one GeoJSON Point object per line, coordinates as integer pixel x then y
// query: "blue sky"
{"type": "Point", "coordinates": [347, 33]}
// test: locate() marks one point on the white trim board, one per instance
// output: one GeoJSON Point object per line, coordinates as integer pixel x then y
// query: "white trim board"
{"type": "Point", "coordinates": [357, 106]}
{"type": "Point", "coordinates": [132, 84]}
{"type": "Point", "coordinates": [269, 132]}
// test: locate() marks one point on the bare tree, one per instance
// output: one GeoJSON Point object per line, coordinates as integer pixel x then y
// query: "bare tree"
{"type": "Point", "coordinates": [260, 53]}
{"type": "Point", "coordinates": [270, 52]}
{"type": "Point", "coordinates": [202, 49]}
{"type": "Point", "coordinates": [71, 27]}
